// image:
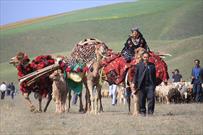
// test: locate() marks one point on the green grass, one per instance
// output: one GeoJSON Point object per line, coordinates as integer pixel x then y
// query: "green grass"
{"type": "Point", "coordinates": [168, 25]}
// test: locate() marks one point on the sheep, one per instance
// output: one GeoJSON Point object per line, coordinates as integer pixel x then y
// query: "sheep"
{"type": "Point", "coordinates": [121, 94]}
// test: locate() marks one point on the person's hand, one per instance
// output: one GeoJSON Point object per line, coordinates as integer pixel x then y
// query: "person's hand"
{"type": "Point", "coordinates": [133, 88]}
{"type": "Point", "coordinates": [165, 82]}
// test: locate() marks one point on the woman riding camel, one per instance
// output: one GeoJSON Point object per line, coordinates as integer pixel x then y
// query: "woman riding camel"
{"type": "Point", "coordinates": [134, 41]}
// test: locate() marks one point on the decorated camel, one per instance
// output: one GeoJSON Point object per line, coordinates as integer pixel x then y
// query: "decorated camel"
{"type": "Point", "coordinates": [104, 64]}
{"type": "Point", "coordinates": [40, 85]}
{"type": "Point", "coordinates": [89, 52]}
{"type": "Point", "coordinates": [120, 72]}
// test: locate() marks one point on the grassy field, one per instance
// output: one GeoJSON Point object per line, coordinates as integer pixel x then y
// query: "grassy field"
{"type": "Point", "coordinates": [184, 119]}
{"type": "Point", "coordinates": [173, 26]}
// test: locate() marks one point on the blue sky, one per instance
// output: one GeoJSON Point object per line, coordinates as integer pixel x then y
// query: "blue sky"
{"type": "Point", "coordinates": [18, 10]}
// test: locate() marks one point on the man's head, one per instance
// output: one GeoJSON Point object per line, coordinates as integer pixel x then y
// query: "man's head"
{"type": "Point", "coordinates": [145, 57]}
{"type": "Point", "coordinates": [197, 62]}
{"type": "Point", "coordinates": [176, 71]}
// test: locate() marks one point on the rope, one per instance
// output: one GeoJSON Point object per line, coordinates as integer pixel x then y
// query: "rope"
{"type": "Point", "coordinates": [101, 75]}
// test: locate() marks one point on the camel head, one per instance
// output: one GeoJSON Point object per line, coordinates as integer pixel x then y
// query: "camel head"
{"type": "Point", "coordinates": [138, 53]}
{"type": "Point", "coordinates": [55, 76]}
{"type": "Point", "coordinates": [20, 58]}
{"type": "Point", "coordinates": [101, 49]}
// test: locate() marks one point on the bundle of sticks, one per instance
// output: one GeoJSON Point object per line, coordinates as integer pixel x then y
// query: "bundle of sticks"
{"type": "Point", "coordinates": [34, 76]}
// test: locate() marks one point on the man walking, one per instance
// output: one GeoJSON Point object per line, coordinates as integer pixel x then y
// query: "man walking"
{"type": "Point", "coordinates": [12, 87]}
{"type": "Point", "coordinates": [113, 93]}
{"type": "Point", "coordinates": [145, 82]}
{"type": "Point", "coordinates": [197, 80]}
{"type": "Point", "coordinates": [3, 89]}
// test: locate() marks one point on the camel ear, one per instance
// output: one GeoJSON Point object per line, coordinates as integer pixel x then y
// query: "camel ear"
{"type": "Point", "coordinates": [12, 61]}
{"type": "Point", "coordinates": [97, 46]}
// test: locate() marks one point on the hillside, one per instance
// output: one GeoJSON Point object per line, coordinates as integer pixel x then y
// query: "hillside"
{"type": "Point", "coordinates": [172, 26]}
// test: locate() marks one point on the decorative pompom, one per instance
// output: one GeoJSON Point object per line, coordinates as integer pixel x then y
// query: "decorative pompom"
{"type": "Point", "coordinates": [62, 64]}
{"type": "Point", "coordinates": [85, 69]}
{"type": "Point", "coordinates": [68, 69]}
{"type": "Point", "coordinates": [78, 69]}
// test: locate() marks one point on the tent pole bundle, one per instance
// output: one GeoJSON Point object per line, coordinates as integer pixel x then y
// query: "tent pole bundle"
{"type": "Point", "coordinates": [34, 76]}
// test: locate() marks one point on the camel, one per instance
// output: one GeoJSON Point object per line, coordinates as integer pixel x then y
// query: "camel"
{"type": "Point", "coordinates": [73, 79]}
{"type": "Point", "coordinates": [123, 74]}
{"type": "Point", "coordinates": [59, 90]}
{"type": "Point", "coordinates": [94, 85]}
{"type": "Point", "coordinates": [91, 51]}
{"type": "Point", "coordinates": [42, 87]}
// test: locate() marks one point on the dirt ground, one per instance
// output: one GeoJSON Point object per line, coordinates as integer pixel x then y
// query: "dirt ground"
{"type": "Point", "coordinates": [174, 119]}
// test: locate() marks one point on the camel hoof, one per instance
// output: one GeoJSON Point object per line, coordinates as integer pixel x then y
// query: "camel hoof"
{"type": "Point", "coordinates": [92, 112]}
{"type": "Point", "coordinates": [88, 112]}
{"type": "Point", "coordinates": [101, 110]}
{"type": "Point", "coordinates": [129, 113]}
{"type": "Point", "coordinates": [81, 110]}
{"type": "Point", "coordinates": [135, 114]}
{"type": "Point", "coordinates": [36, 111]}
{"type": "Point", "coordinates": [32, 108]}
{"type": "Point", "coordinates": [40, 111]}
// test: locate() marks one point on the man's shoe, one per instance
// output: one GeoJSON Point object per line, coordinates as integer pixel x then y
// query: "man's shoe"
{"type": "Point", "coordinates": [142, 114]}
{"type": "Point", "coordinates": [150, 113]}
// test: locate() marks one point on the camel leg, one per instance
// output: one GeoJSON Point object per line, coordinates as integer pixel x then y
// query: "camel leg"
{"type": "Point", "coordinates": [62, 107]}
{"type": "Point", "coordinates": [92, 101]}
{"type": "Point", "coordinates": [128, 91]}
{"type": "Point", "coordinates": [100, 100]}
{"type": "Point", "coordinates": [167, 100]}
{"type": "Point", "coordinates": [87, 96]}
{"type": "Point", "coordinates": [87, 101]}
{"type": "Point", "coordinates": [97, 98]}
{"type": "Point", "coordinates": [40, 103]}
{"type": "Point", "coordinates": [136, 104]}
{"type": "Point", "coordinates": [91, 90]}
{"type": "Point", "coordinates": [81, 105]}
{"type": "Point", "coordinates": [63, 101]}
{"type": "Point", "coordinates": [57, 106]}
{"type": "Point", "coordinates": [69, 99]}
{"type": "Point", "coordinates": [28, 101]}
{"type": "Point", "coordinates": [48, 101]}
{"type": "Point", "coordinates": [96, 104]}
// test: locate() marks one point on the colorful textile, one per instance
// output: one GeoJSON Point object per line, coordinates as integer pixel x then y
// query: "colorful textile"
{"type": "Point", "coordinates": [43, 85]}
{"type": "Point", "coordinates": [116, 67]}
{"type": "Point", "coordinates": [72, 85]}
{"type": "Point", "coordinates": [161, 67]}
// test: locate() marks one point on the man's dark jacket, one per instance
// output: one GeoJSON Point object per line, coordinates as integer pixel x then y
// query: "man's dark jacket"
{"type": "Point", "coordinates": [140, 71]}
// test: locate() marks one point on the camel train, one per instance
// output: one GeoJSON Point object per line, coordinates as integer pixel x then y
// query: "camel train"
{"type": "Point", "coordinates": [90, 63]}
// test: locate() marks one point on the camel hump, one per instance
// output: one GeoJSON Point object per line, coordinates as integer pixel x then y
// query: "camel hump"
{"type": "Point", "coordinates": [88, 41]}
